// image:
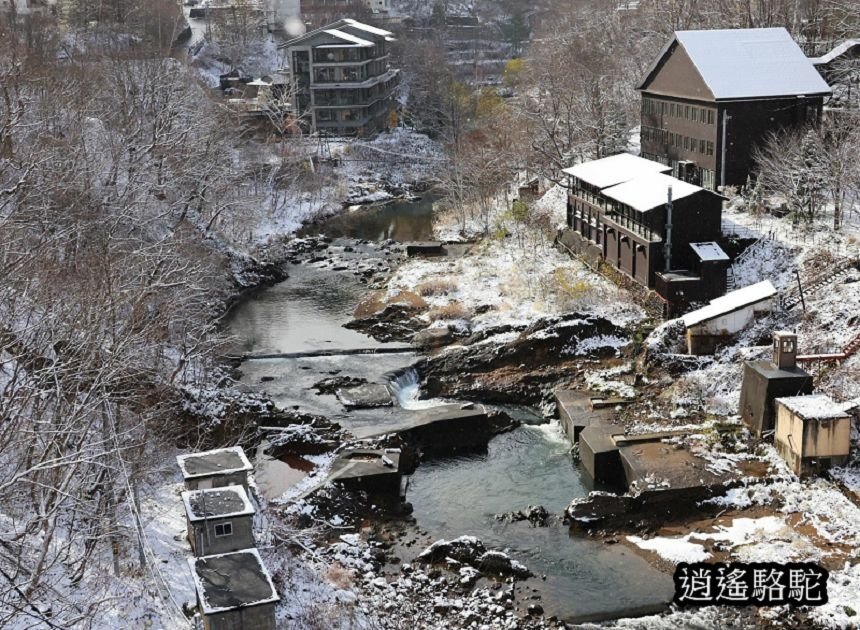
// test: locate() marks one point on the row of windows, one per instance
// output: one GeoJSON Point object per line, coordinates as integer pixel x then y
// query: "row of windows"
{"type": "Point", "coordinates": [683, 111]}
{"type": "Point", "coordinates": [662, 136]}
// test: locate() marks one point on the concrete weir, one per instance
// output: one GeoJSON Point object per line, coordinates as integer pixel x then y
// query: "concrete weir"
{"type": "Point", "coordinates": [578, 410]}
{"type": "Point", "coordinates": [661, 479]}
{"type": "Point", "coordinates": [370, 470]}
{"type": "Point", "coordinates": [443, 429]}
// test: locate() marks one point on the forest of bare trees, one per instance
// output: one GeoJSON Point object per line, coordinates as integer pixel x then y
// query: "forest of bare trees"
{"type": "Point", "coordinates": [115, 170]}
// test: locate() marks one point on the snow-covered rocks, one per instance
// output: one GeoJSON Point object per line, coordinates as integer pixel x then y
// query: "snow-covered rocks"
{"type": "Point", "coordinates": [471, 551]}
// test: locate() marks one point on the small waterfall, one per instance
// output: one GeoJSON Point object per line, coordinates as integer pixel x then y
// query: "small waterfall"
{"type": "Point", "coordinates": [405, 386]}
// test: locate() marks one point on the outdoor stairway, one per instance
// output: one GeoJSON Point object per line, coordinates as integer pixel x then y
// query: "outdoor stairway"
{"type": "Point", "coordinates": [731, 281]}
{"type": "Point", "coordinates": [792, 297]}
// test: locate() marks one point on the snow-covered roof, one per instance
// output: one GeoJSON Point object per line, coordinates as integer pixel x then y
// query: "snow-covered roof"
{"type": "Point", "coordinates": [226, 502]}
{"type": "Point", "coordinates": [730, 302]}
{"type": "Point", "coordinates": [814, 407]}
{"type": "Point", "coordinates": [348, 37]}
{"type": "Point", "coordinates": [838, 51]}
{"type": "Point", "coordinates": [650, 191]}
{"type": "Point", "coordinates": [232, 580]}
{"type": "Point", "coordinates": [615, 169]}
{"type": "Point", "coordinates": [709, 252]}
{"type": "Point", "coordinates": [216, 462]}
{"type": "Point", "coordinates": [361, 26]}
{"type": "Point", "coordinates": [748, 63]}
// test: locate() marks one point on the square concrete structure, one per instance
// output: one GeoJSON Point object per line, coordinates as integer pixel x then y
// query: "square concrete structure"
{"type": "Point", "coordinates": [784, 349]}
{"type": "Point", "coordinates": [813, 433]}
{"type": "Point", "coordinates": [599, 454]}
{"type": "Point", "coordinates": [667, 477]}
{"type": "Point", "coordinates": [578, 410]}
{"type": "Point", "coordinates": [234, 591]}
{"type": "Point", "coordinates": [370, 470]}
{"type": "Point", "coordinates": [220, 520]}
{"type": "Point", "coordinates": [215, 469]}
{"type": "Point", "coordinates": [765, 381]}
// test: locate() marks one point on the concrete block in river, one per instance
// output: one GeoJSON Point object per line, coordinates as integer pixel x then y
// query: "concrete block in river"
{"type": "Point", "coordinates": [444, 429]}
{"type": "Point", "coordinates": [578, 409]}
{"type": "Point", "coordinates": [599, 454]}
{"type": "Point", "coordinates": [365, 396]}
{"type": "Point", "coordinates": [369, 470]}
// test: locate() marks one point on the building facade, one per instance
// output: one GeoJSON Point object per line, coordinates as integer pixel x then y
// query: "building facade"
{"type": "Point", "coordinates": [812, 434]}
{"type": "Point", "coordinates": [618, 213]}
{"type": "Point", "coordinates": [215, 469]}
{"type": "Point", "coordinates": [219, 520]}
{"type": "Point", "coordinates": [341, 80]}
{"type": "Point", "coordinates": [711, 97]}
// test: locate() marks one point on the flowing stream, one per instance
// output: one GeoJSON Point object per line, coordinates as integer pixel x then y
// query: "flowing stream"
{"type": "Point", "coordinates": [451, 496]}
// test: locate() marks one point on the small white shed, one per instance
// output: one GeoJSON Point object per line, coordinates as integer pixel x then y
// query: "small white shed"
{"type": "Point", "coordinates": [726, 316]}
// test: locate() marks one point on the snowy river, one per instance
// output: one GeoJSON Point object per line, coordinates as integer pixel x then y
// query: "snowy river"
{"type": "Point", "coordinates": [451, 496]}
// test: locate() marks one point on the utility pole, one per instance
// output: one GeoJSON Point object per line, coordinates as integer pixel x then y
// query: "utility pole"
{"type": "Point", "coordinates": [667, 244]}
{"type": "Point", "coordinates": [726, 119]}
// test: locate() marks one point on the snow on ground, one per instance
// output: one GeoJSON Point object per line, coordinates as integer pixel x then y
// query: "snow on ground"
{"type": "Point", "coordinates": [513, 285]}
{"type": "Point", "coordinates": [607, 381]}
{"type": "Point", "coordinates": [512, 280]}
{"type": "Point", "coordinates": [150, 596]}
{"type": "Point", "coordinates": [768, 538]}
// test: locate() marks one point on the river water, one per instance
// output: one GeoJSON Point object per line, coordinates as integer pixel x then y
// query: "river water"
{"type": "Point", "coordinates": [451, 496]}
{"type": "Point", "coordinates": [400, 220]}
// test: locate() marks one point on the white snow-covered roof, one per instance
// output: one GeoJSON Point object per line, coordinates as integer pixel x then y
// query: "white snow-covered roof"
{"type": "Point", "coordinates": [650, 191]}
{"type": "Point", "coordinates": [838, 51]}
{"type": "Point", "coordinates": [730, 302]}
{"type": "Point", "coordinates": [748, 63]}
{"type": "Point", "coordinates": [242, 581]}
{"type": "Point", "coordinates": [709, 251]}
{"type": "Point", "coordinates": [814, 407]}
{"type": "Point", "coordinates": [226, 502]}
{"type": "Point", "coordinates": [361, 26]}
{"type": "Point", "coordinates": [348, 37]}
{"type": "Point", "coordinates": [219, 461]}
{"type": "Point", "coordinates": [615, 169]}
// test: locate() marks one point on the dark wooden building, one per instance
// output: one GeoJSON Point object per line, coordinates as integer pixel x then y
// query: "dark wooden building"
{"type": "Point", "coordinates": [711, 96]}
{"type": "Point", "coordinates": [617, 212]}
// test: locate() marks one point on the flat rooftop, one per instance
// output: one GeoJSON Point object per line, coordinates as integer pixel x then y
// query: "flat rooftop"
{"type": "Point", "coordinates": [661, 466]}
{"type": "Point", "coordinates": [217, 462]}
{"type": "Point", "coordinates": [232, 580]}
{"type": "Point", "coordinates": [814, 407]}
{"type": "Point", "coordinates": [224, 502]}
{"type": "Point", "coordinates": [364, 462]}
{"type": "Point", "coordinates": [770, 371]}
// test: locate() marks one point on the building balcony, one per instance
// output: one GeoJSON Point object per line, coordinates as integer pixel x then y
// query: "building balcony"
{"type": "Point", "coordinates": [363, 83]}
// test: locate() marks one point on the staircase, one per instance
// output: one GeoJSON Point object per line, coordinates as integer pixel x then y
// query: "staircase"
{"type": "Point", "coordinates": [731, 284]}
{"type": "Point", "coordinates": [731, 281]}
{"type": "Point", "coordinates": [792, 297]}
